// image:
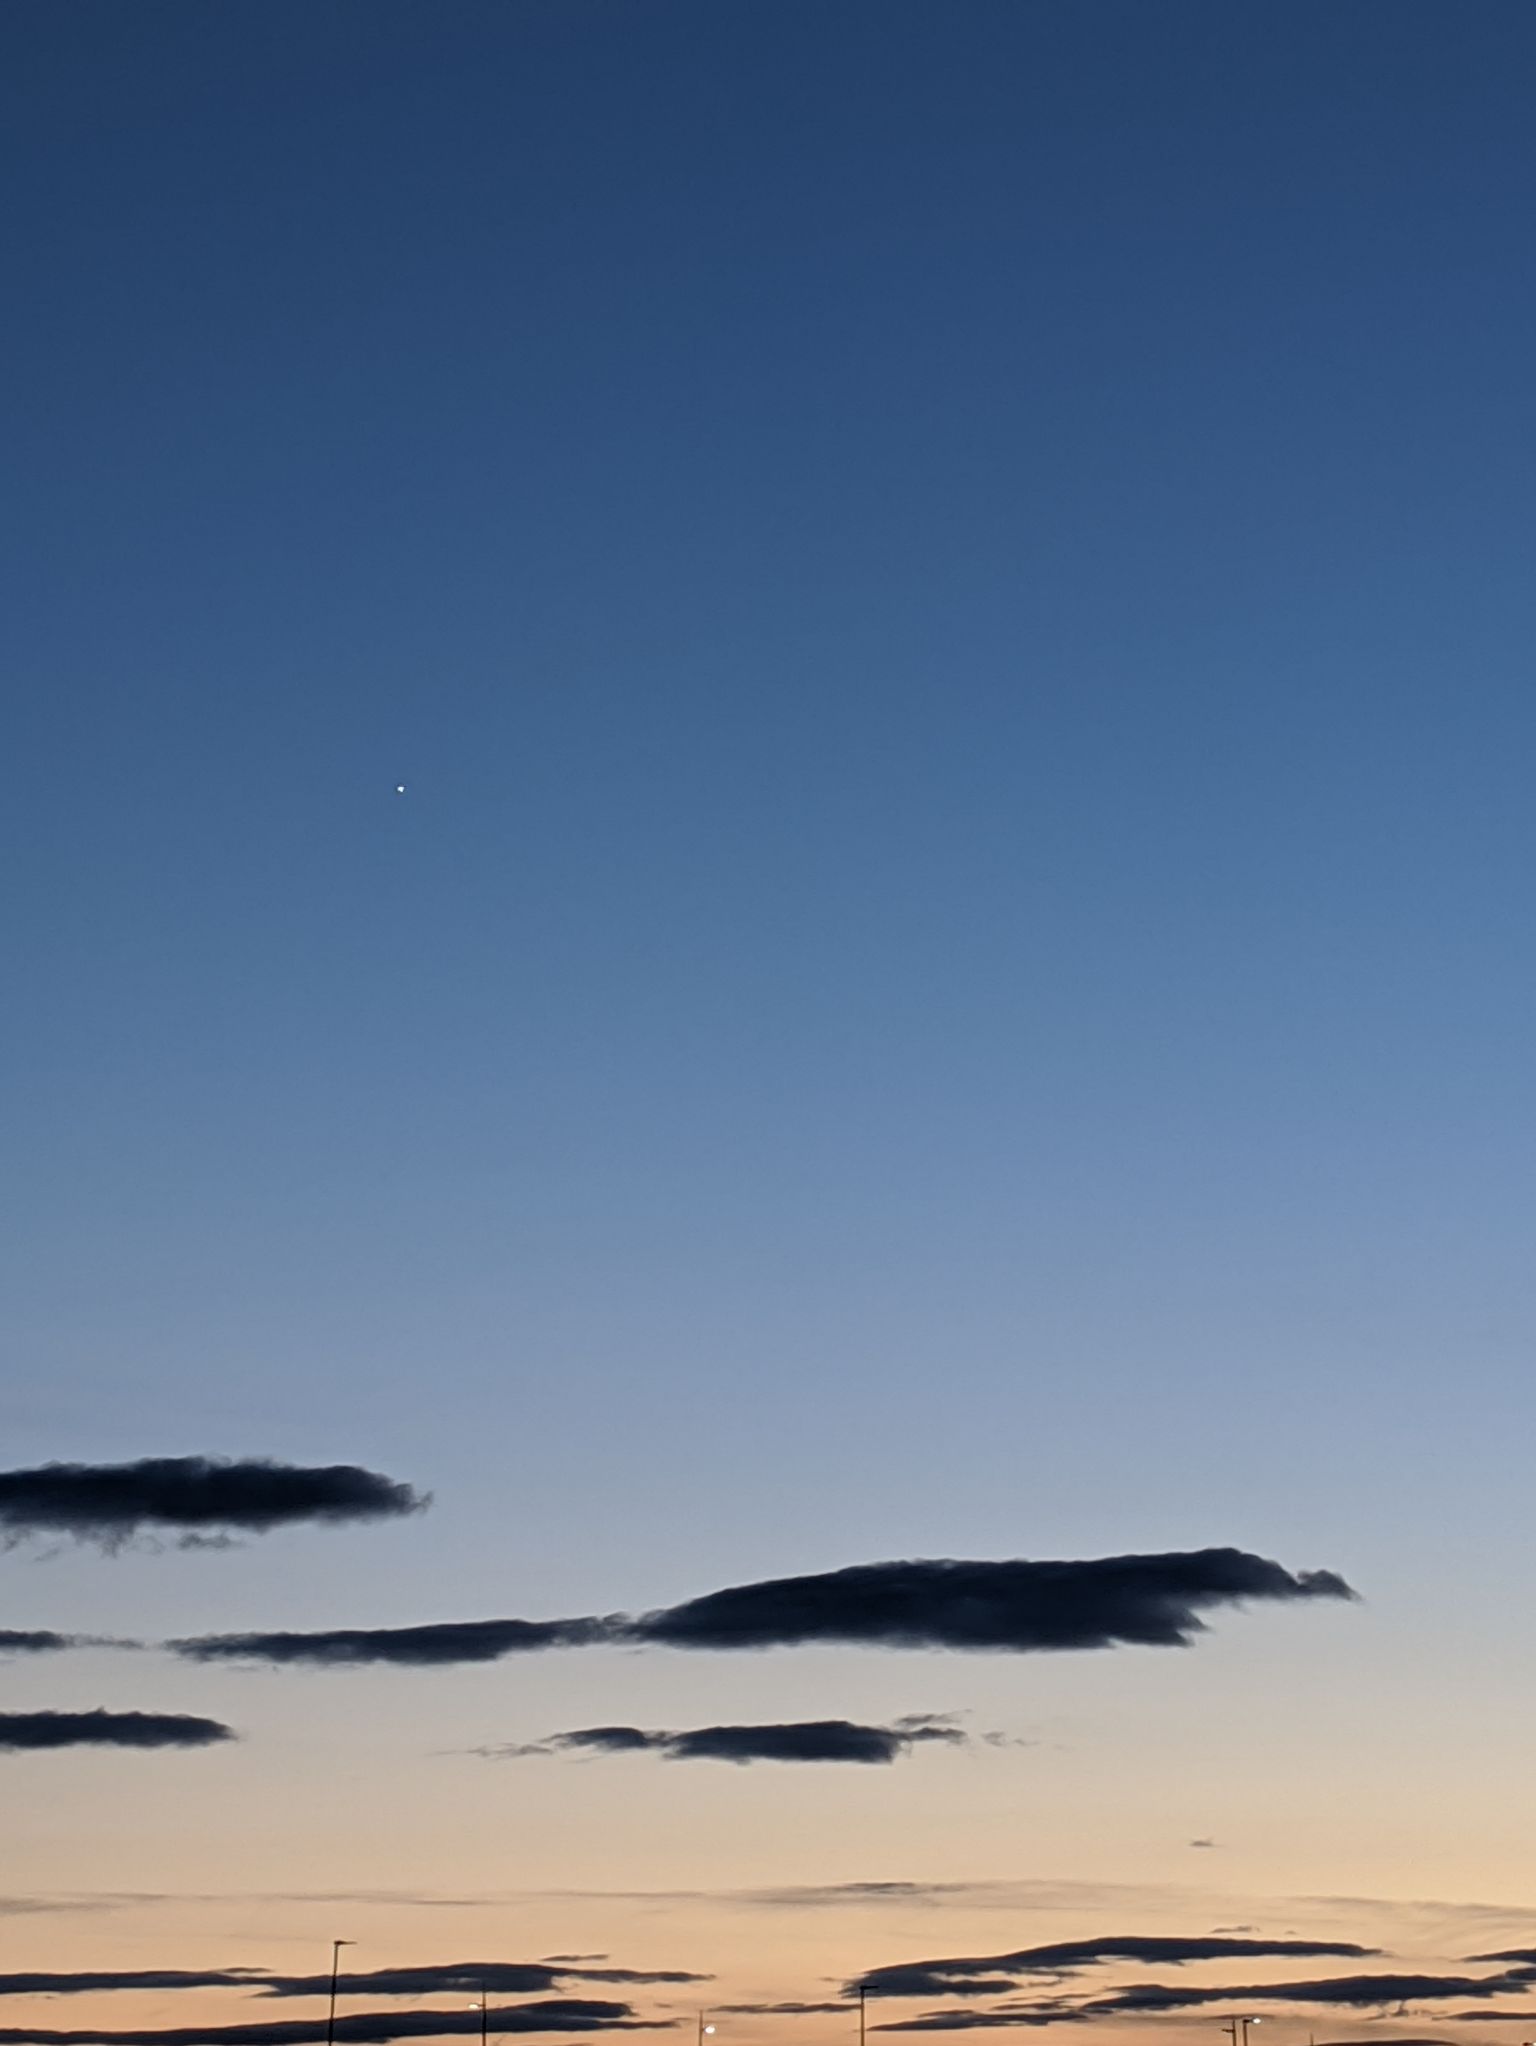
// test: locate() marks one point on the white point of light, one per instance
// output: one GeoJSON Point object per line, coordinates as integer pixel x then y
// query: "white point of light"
{"type": "Point", "coordinates": [399, 788]}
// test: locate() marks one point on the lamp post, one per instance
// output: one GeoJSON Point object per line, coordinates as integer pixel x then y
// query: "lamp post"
{"type": "Point", "coordinates": [330, 2022]}
{"type": "Point", "coordinates": [704, 2030]}
{"type": "Point", "coordinates": [1236, 2029]}
{"type": "Point", "coordinates": [863, 1998]}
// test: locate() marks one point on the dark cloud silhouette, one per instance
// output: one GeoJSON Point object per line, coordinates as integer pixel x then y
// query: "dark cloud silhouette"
{"type": "Point", "coordinates": [1526, 1954]}
{"type": "Point", "coordinates": [32, 1730]}
{"type": "Point", "coordinates": [37, 1641]}
{"type": "Point", "coordinates": [982, 1975]}
{"type": "Point", "coordinates": [448, 1641]}
{"type": "Point", "coordinates": [1365, 1991]}
{"type": "Point", "coordinates": [502, 1978]}
{"type": "Point", "coordinates": [981, 2020]}
{"type": "Point", "coordinates": [1016, 1606]}
{"type": "Point", "coordinates": [1362, 1992]}
{"type": "Point", "coordinates": [110, 1503]}
{"type": "Point", "coordinates": [353, 2028]}
{"type": "Point", "coordinates": [84, 1981]}
{"type": "Point", "coordinates": [807, 1740]}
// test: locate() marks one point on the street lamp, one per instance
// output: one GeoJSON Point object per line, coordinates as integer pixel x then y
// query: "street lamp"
{"type": "Point", "coordinates": [704, 2030]}
{"type": "Point", "coordinates": [330, 2022]}
{"type": "Point", "coordinates": [863, 1998]}
{"type": "Point", "coordinates": [1236, 2029]}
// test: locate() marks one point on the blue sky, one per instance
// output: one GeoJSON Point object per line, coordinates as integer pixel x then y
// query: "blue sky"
{"type": "Point", "coordinates": [950, 586]}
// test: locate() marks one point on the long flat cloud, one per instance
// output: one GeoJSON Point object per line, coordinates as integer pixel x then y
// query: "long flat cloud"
{"type": "Point", "coordinates": [1015, 1607]}
{"type": "Point", "coordinates": [803, 1740]}
{"type": "Point", "coordinates": [87, 1981]}
{"type": "Point", "coordinates": [110, 1503]}
{"type": "Point", "coordinates": [1360, 1992]}
{"type": "Point", "coordinates": [501, 1978]}
{"type": "Point", "coordinates": [1366, 1991]}
{"type": "Point", "coordinates": [504, 1978]}
{"type": "Point", "coordinates": [1018, 1605]}
{"type": "Point", "coordinates": [994, 1974]}
{"type": "Point", "coordinates": [553, 2014]}
{"type": "Point", "coordinates": [983, 2020]}
{"type": "Point", "coordinates": [35, 1730]}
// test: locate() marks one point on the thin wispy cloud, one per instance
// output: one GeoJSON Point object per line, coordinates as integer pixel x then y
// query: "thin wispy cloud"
{"type": "Point", "coordinates": [200, 1497]}
{"type": "Point", "coordinates": [805, 1740]}
{"type": "Point", "coordinates": [44, 1641]}
{"type": "Point", "coordinates": [781, 2010]}
{"type": "Point", "coordinates": [31, 1731]}
{"type": "Point", "coordinates": [1016, 1607]}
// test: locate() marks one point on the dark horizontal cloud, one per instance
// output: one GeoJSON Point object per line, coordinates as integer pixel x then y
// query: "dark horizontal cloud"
{"type": "Point", "coordinates": [1020, 1606]}
{"type": "Point", "coordinates": [449, 1641]}
{"type": "Point", "coordinates": [1016, 1606]}
{"type": "Point", "coordinates": [501, 1978]}
{"type": "Point", "coordinates": [354, 2028]}
{"type": "Point", "coordinates": [1526, 1954]}
{"type": "Point", "coordinates": [110, 1503]}
{"type": "Point", "coordinates": [982, 2020]}
{"type": "Point", "coordinates": [109, 1730]}
{"type": "Point", "coordinates": [1361, 1992]}
{"type": "Point", "coordinates": [1364, 1991]}
{"type": "Point", "coordinates": [991, 1974]}
{"type": "Point", "coordinates": [804, 1740]}
{"type": "Point", "coordinates": [85, 1981]}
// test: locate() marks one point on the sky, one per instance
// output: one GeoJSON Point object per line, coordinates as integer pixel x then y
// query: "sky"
{"type": "Point", "coordinates": [767, 808]}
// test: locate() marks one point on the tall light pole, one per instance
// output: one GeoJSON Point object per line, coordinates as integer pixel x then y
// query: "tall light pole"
{"type": "Point", "coordinates": [330, 2022]}
{"type": "Point", "coordinates": [1236, 2029]}
{"type": "Point", "coordinates": [704, 2030]}
{"type": "Point", "coordinates": [863, 1997]}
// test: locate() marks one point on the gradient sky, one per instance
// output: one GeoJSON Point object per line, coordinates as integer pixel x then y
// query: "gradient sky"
{"type": "Point", "coordinates": [951, 585]}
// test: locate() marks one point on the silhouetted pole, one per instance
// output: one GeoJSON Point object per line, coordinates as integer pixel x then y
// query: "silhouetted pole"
{"type": "Point", "coordinates": [330, 2022]}
{"type": "Point", "coordinates": [482, 2014]}
{"type": "Point", "coordinates": [1236, 2029]}
{"type": "Point", "coordinates": [704, 2030]}
{"type": "Point", "coordinates": [863, 1994]}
